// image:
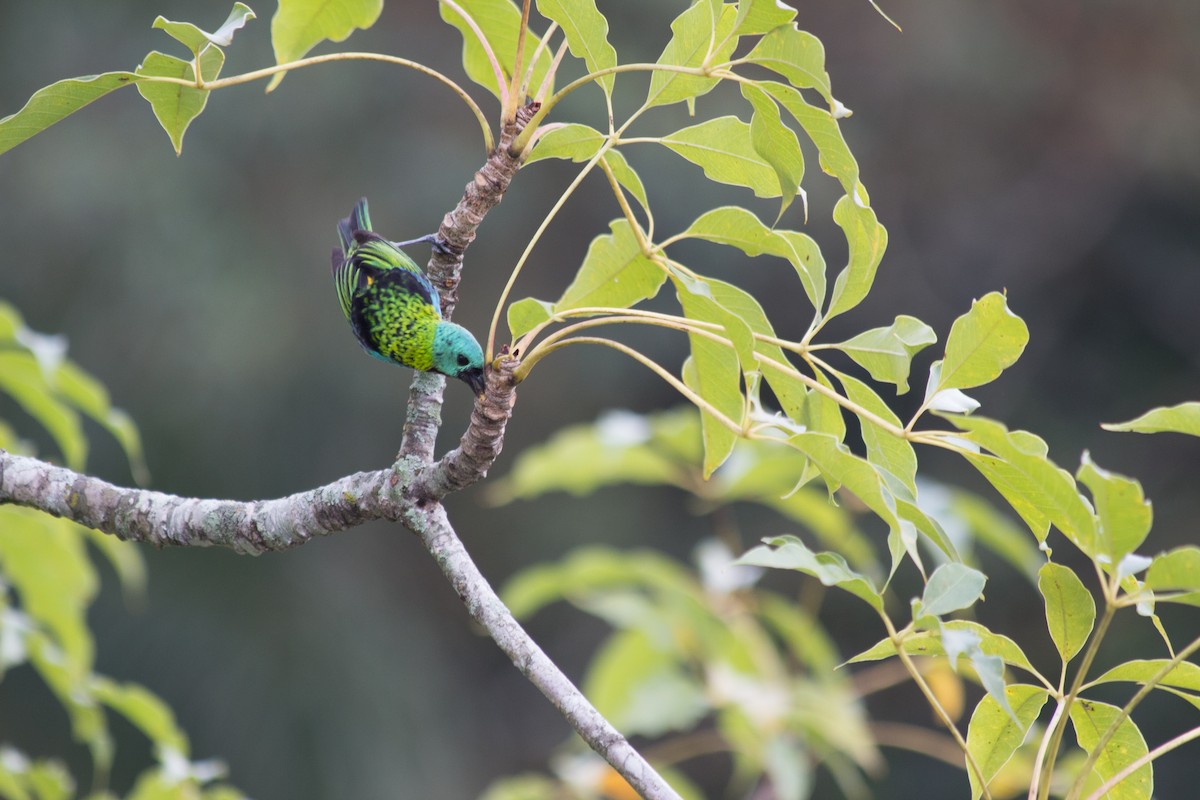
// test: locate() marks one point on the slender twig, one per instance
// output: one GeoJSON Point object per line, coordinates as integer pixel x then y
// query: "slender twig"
{"type": "Point", "coordinates": [515, 98]}
{"type": "Point", "coordinates": [658, 369]}
{"type": "Point", "coordinates": [935, 704]}
{"type": "Point", "coordinates": [548, 79]}
{"type": "Point", "coordinates": [669, 320]}
{"type": "Point", "coordinates": [554, 99]}
{"type": "Point", "coordinates": [547, 345]}
{"type": "Point", "coordinates": [1056, 734]}
{"type": "Point", "coordinates": [1043, 747]}
{"type": "Point", "coordinates": [537, 235]}
{"type": "Point", "coordinates": [266, 72]}
{"type": "Point", "coordinates": [545, 223]}
{"type": "Point", "coordinates": [644, 237]}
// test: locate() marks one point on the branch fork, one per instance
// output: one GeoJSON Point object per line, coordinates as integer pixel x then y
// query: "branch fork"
{"type": "Point", "coordinates": [409, 492]}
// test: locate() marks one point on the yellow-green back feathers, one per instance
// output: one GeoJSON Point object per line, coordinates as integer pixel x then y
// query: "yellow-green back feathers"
{"type": "Point", "coordinates": [394, 310]}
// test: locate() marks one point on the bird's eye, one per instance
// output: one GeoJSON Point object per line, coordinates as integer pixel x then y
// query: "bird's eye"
{"type": "Point", "coordinates": [463, 360]}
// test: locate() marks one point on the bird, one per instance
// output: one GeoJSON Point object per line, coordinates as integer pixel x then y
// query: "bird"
{"type": "Point", "coordinates": [394, 309]}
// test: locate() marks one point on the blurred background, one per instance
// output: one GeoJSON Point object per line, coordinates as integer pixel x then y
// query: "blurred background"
{"type": "Point", "coordinates": [1050, 149]}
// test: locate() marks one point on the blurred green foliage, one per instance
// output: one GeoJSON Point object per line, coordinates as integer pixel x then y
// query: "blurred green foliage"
{"type": "Point", "coordinates": [48, 581]}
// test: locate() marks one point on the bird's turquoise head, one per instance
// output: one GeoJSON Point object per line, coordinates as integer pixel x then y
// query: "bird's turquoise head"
{"type": "Point", "coordinates": [458, 355]}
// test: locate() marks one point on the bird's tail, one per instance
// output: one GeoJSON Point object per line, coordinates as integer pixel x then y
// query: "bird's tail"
{"type": "Point", "coordinates": [359, 220]}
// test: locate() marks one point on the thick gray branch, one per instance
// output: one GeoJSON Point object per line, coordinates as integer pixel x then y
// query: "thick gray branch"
{"type": "Point", "coordinates": [163, 519]}
{"type": "Point", "coordinates": [481, 444]}
{"type": "Point", "coordinates": [395, 494]}
{"type": "Point", "coordinates": [486, 608]}
{"type": "Point", "coordinates": [455, 234]}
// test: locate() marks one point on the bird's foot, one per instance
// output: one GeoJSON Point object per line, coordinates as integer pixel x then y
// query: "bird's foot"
{"type": "Point", "coordinates": [434, 241]}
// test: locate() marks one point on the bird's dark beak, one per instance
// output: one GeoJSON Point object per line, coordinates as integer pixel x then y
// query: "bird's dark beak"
{"type": "Point", "coordinates": [474, 379]}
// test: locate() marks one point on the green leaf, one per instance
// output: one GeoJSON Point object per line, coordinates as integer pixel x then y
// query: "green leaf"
{"type": "Point", "coordinates": [696, 299]}
{"type": "Point", "coordinates": [796, 55]}
{"type": "Point", "coordinates": [1038, 490]}
{"type": "Point", "coordinates": [300, 25]}
{"type": "Point", "coordinates": [196, 40]}
{"type": "Point", "coordinates": [711, 371]}
{"type": "Point", "coordinates": [790, 392]}
{"type": "Point", "coordinates": [1184, 675]}
{"type": "Point", "coordinates": [145, 710]}
{"type": "Point", "coordinates": [694, 31]}
{"type": "Point", "coordinates": [1124, 513]}
{"type": "Point", "coordinates": [619, 448]}
{"type": "Point", "coordinates": [126, 561]}
{"type": "Point", "coordinates": [586, 31]}
{"type": "Point", "coordinates": [573, 140]}
{"type": "Point", "coordinates": [840, 466]}
{"type": "Point", "coordinates": [993, 735]}
{"type": "Point", "coordinates": [45, 561]}
{"type": "Point", "coordinates": [928, 526]}
{"type": "Point", "coordinates": [591, 572]}
{"type": "Point", "coordinates": [522, 787]}
{"type": "Point", "coordinates": [950, 401]}
{"type": "Point", "coordinates": [638, 685]}
{"type": "Point", "coordinates": [724, 149]}
{"type": "Point", "coordinates": [23, 379]}
{"type": "Point", "coordinates": [525, 315]}
{"type": "Point", "coordinates": [805, 255]}
{"type": "Point", "coordinates": [88, 395]}
{"type": "Point", "coordinates": [499, 21]}
{"type": "Point", "coordinates": [629, 180]}
{"type": "Point", "coordinates": [788, 552]}
{"type": "Point", "coordinates": [775, 143]}
{"type": "Point", "coordinates": [580, 143]}
{"type": "Point", "coordinates": [929, 643]}
{"type": "Point", "coordinates": [975, 517]}
{"type": "Point", "coordinates": [72, 689]}
{"type": "Point", "coordinates": [982, 343]}
{"type": "Point", "coordinates": [24, 779]}
{"type": "Point", "coordinates": [831, 524]}
{"type": "Point", "coordinates": [55, 102]}
{"type": "Point", "coordinates": [615, 273]}
{"type": "Point", "coordinates": [822, 414]}
{"type": "Point", "coordinates": [887, 353]}
{"type": "Point", "coordinates": [51, 781]}
{"type": "Point", "coordinates": [745, 308]}
{"type": "Point", "coordinates": [10, 323]}
{"type": "Point", "coordinates": [1070, 609]}
{"type": "Point", "coordinates": [988, 668]}
{"type": "Point", "coordinates": [866, 240]}
{"type": "Point", "coordinates": [1176, 571]}
{"type": "Point", "coordinates": [806, 639]}
{"type": "Point", "coordinates": [1091, 719]}
{"type": "Point", "coordinates": [220, 792]}
{"type": "Point", "coordinates": [737, 227]}
{"type": "Point", "coordinates": [176, 106]}
{"type": "Point", "coordinates": [761, 16]}
{"type": "Point", "coordinates": [951, 587]}
{"type": "Point", "coordinates": [788, 768]}
{"type": "Point", "coordinates": [822, 128]}
{"type": "Point", "coordinates": [1183, 418]}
